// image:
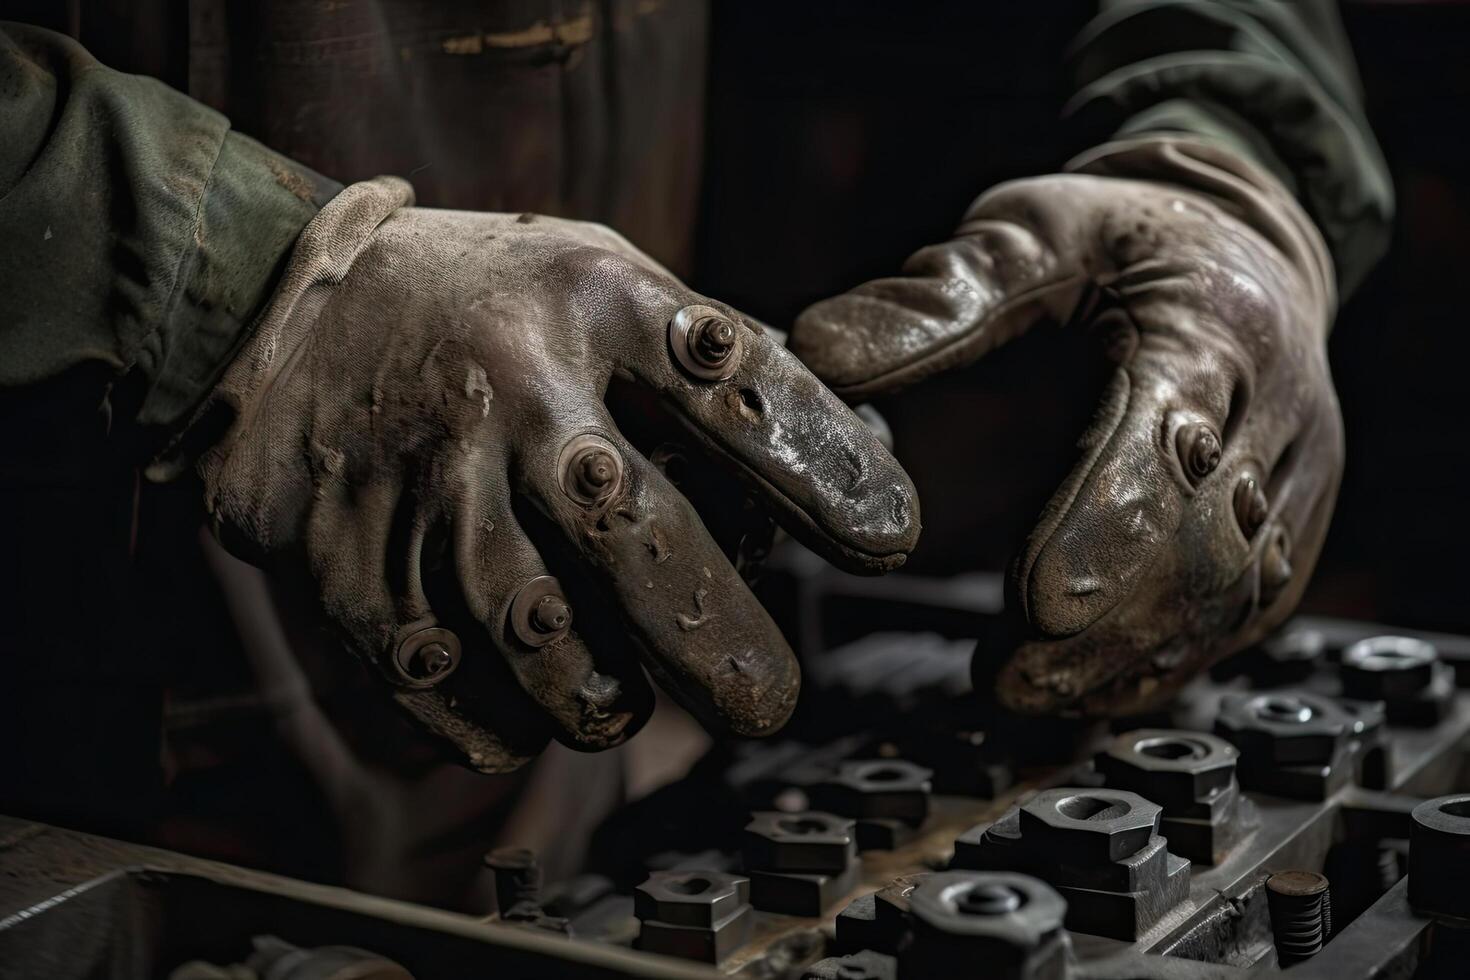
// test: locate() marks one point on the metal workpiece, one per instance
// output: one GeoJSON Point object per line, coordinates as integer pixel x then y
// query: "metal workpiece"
{"type": "Point", "coordinates": [1292, 743]}
{"type": "Point", "coordinates": [694, 915]}
{"type": "Point", "coordinates": [540, 613]}
{"type": "Point", "coordinates": [590, 470]}
{"type": "Point", "coordinates": [1099, 848]}
{"type": "Point", "coordinates": [805, 894]}
{"type": "Point", "coordinates": [1090, 826]}
{"type": "Point", "coordinates": [804, 842]}
{"type": "Point", "coordinates": [799, 863]}
{"type": "Point", "coordinates": [1011, 923]}
{"type": "Point", "coordinates": [1405, 673]}
{"type": "Point", "coordinates": [1192, 776]}
{"type": "Point", "coordinates": [1439, 858]}
{"type": "Point", "coordinates": [1301, 914]}
{"type": "Point", "coordinates": [426, 657]}
{"type": "Point", "coordinates": [705, 342]}
{"type": "Point", "coordinates": [882, 789]}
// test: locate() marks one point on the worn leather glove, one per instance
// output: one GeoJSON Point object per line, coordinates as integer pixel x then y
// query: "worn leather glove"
{"type": "Point", "coordinates": [417, 423]}
{"type": "Point", "coordinates": [1197, 509]}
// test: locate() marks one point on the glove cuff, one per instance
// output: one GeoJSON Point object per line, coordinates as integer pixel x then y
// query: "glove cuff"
{"type": "Point", "coordinates": [320, 259]}
{"type": "Point", "coordinates": [1244, 190]}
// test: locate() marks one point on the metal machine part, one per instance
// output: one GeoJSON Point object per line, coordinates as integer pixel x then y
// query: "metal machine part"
{"type": "Point", "coordinates": [426, 657]}
{"type": "Point", "coordinates": [1301, 914]}
{"type": "Point", "coordinates": [70, 904]}
{"type": "Point", "coordinates": [705, 342]}
{"type": "Point", "coordinates": [1100, 848]}
{"type": "Point", "coordinates": [1192, 776]}
{"type": "Point", "coordinates": [540, 612]}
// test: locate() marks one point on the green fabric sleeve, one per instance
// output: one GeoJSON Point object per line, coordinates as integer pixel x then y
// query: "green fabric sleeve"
{"type": "Point", "coordinates": [1274, 80]}
{"type": "Point", "coordinates": [138, 237]}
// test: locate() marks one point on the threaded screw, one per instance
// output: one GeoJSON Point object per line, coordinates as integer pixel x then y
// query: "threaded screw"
{"type": "Point", "coordinates": [1301, 914]}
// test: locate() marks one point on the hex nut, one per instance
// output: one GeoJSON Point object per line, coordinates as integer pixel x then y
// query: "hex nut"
{"type": "Point", "coordinates": [1089, 825]}
{"type": "Point", "coordinates": [705, 945]}
{"type": "Point", "coordinates": [800, 893]}
{"type": "Point", "coordinates": [690, 898]}
{"type": "Point", "coordinates": [801, 842]}
{"type": "Point", "coordinates": [882, 788]}
{"type": "Point", "coordinates": [1010, 922]}
{"type": "Point", "coordinates": [1439, 857]}
{"type": "Point", "coordinates": [590, 469]}
{"type": "Point", "coordinates": [1283, 728]}
{"type": "Point", "coordinates": [1175, 769]}
{"type": "Point", "coordinates": [1387, 668]}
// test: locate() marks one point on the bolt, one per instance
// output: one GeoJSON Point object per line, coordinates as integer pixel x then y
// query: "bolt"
{"type": "Point", "coordinates": [712, 340]}
{"type": "Point", "coordinates": [434, 658]}
{"type": "Point", "coordinates": [705, 342]}
{"type": "Point", "coordinates": [1199, 450]}
{"type": "Point", "coordinates": [1250, 505]}
{"type": "Point", "coordinates": [427, 656]}
{"type": "Point", "coordinates": [989, 899]}
{"type": "Point", "coordinates": [1301, 915]}
{"type": "Point", "coordinates": [551, 614]}
{"type": "Point", "coordinates": [595, 473]}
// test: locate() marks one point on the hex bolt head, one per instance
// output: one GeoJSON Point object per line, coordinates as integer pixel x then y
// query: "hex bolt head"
{"type": "Point", "coordinates": [1387, 668]}
{"type": "Point", "coordinates": [892, 789]}
{"type": "Point", "coordinates": [994, 910]}
{"type": "Point", "coordinates": [1283, 727]}
{"type": "Point", "coordinates": [705, 342]}
{"type": "Point", "coordinates": [540, 613]}
{"type": "Point", "coordinates": [590, 469]}
{"type": "Point", "coordinates": [1173, 768]}
{"type": "Point", "coordinates": [690, 898]}
{"type": "Point", "coordinates": [426, 657]}
{"type": "Point", "coordinates": [808, 842]}
{"type": "Point", "coordinates": [1090, 826]}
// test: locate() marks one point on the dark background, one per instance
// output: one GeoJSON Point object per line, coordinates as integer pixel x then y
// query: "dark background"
{"type": "Point", "coordinates": [839, 137]}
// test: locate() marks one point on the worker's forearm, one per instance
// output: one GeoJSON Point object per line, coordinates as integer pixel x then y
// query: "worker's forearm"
{"type": "Point", "coordinates": [138, 235]}
{"type": "Point", "coordinates": [1273, 80]}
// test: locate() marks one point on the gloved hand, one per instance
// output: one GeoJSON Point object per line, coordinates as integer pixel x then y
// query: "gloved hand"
{"type": "Point", "coordinates": [417, 423]}
{"type": "Point", "coordinates": [1206, 482]}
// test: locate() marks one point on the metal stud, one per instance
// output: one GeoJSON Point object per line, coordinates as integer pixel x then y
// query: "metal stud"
{"type": "Point", "coordinates": [427, 656]}
{"type": "Point", "coordinates": [705, 342]}
{"type": "Point", "coordinates": [1250, 505]}
{"type": "Point", "coordinates": [590, 469]}
{"type": "Point", "coordinates": [540, 612]}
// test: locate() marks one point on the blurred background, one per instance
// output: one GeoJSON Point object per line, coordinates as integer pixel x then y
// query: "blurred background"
{"type": "Point", "coordinates": [816, 145]}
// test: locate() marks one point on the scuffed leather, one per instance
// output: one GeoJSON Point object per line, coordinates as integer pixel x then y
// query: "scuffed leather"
{"type": "Point", "coordinates": [1211, 290]}
{"type": "Point", "coordinates": [417, 374]}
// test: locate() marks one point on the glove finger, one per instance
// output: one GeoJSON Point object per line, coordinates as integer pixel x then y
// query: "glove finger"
{"type": "Point", "coordinates": [821, 471]}
{"type": "Point", "coordinates": [702, 634]}
{"type": "Point", "coordinates": [1005, 270]}
{"type": "Point", "coordinates": [1176, 538]}
{"type": "Point", "coordinates": [594, 702]}
{"type": "Point", "coordinates": [365, 546]}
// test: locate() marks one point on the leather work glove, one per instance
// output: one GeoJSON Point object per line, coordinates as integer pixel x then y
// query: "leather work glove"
{"type": "Point", "coordinates": [417, 424]}
{"type": "Point", "coordinates": [1205, 483]}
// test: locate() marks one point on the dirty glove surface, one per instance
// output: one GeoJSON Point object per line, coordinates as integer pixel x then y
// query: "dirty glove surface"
{"type": "Point", "coordinates": [1206, 480]}
{"type": "Point", "coordinates": [418, 425]}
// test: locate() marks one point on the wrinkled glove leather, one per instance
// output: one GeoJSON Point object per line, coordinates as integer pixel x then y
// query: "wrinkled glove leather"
{"type": "Point", "coordinates": [1206, 481]}
{"type": "Point", "coordinates": [416, 378]}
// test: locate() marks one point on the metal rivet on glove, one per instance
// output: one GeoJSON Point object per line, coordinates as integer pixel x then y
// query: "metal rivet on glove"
{"type": "Point", "coordinates": [705, 342]}
{"type": "Point", "coordinates": [1199, 450]}
{"type": "Point", "coordinates": [1250, 505]}
{"type": "Point", "coordinates": [540, 612]}
{"type": "Point", "coordinates": [426, 657]}
{"type": "Point", "coordinates": [590, 469]}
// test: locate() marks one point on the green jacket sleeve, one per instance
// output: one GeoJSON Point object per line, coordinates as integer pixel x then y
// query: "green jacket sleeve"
{"type": "Point", "coordinates": [138, 236]}
{"type": "Point", "coordinates": [1273, 79]}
